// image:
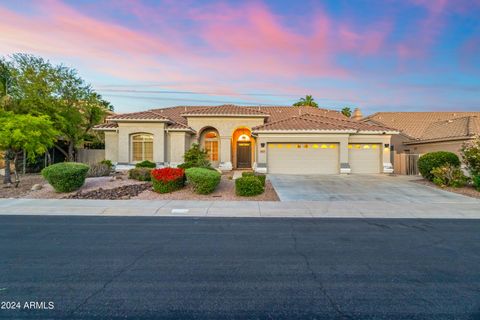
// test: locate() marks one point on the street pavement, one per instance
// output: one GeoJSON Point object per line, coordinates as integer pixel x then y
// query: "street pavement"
{"type": "Point", "coordinates": [239, 268]}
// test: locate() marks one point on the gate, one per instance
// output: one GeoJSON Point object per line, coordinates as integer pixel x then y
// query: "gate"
{"type": "Point", "coordinates": [405, 163]}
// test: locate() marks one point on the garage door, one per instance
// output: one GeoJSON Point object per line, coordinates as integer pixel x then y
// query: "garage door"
{"type": "Point", "coordinates": [303, 158]}
{"type": "Point", "coordinates": [364, 158]}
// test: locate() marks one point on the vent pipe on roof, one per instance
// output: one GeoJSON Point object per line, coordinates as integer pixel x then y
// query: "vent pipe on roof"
{"type": "Point", "coordinates": [357, 114]}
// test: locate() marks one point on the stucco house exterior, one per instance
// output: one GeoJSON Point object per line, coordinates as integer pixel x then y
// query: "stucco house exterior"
{"type": "Point", "coordinates": [423, 132]}
{"type": "Point", "coordinates": [268, 139]}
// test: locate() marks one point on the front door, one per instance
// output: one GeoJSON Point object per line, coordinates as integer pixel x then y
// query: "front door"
{"type": "Point", "coordinates": [244, 155]}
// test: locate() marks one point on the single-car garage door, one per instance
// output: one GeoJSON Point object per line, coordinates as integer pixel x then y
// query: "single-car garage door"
{"type": "Point", "coordinates": [364, 157]}
{"type": "Point", "coordinates": [303, 158]}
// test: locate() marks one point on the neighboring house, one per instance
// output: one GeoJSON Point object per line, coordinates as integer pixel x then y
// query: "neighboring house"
{"type": "Point", "coordinates": [289, 140]}
{"type": "Point", "coordinates": [422, 132]}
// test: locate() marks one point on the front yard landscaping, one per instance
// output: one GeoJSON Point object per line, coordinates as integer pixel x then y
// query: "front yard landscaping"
{"type": "Point", "coordinates": [120, 187]}
{"type": "Point", "coordinates": [467, 190]}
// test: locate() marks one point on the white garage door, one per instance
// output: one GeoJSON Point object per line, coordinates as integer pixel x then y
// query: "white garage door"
{"type": "Point", "coordinates": [364, 158]}
{"type": "Point", "coordinates": [303, 158]}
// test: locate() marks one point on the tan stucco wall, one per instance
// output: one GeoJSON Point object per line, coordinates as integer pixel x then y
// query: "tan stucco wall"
{"type": "Point", "coordinates": [125, 130]}
{"type": "Point", "coordinates": [111, 146]}
{"type": "Point", "coordinates": [177, 144]}
{"type": "Point", "coordinates": [452, 146]}
{"type": "Point", "coordinates": [225, 127]}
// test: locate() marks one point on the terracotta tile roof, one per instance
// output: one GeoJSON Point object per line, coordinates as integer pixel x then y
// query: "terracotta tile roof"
{"type": "Point", "coordinates": [106, 126]}
{"type": "Point", "coordinates": [143, 115]}
{"type": "Point", "coordinates": [449, 129]}
{"type": "Point", "coordinates": [311, 122]}
{"type": "Point", "coordinates": [310, 117]}
{"type": "Point", "coordinates": [414, 124]}
{"type": "Point", "coordinates": [227, 109]}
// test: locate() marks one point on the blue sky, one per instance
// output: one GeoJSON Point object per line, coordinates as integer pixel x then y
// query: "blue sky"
{"type": "Point", "coordinates": [410, 55]}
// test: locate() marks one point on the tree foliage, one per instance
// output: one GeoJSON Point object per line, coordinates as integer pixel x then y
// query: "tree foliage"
{"type": "Point", "coordinates": [307, 101]}
{"type": "Point", "coordinates": [347, 112]}
{"type": "Point", "coordinates": [39, 88]}
{"type": "Point", "coordinates": [20, 132]}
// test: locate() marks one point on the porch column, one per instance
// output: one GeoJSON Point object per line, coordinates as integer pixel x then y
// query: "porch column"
{"type": "Point", "coordinates": [344, 165]}
{"type": "Point", "coordinates": [225, 153]}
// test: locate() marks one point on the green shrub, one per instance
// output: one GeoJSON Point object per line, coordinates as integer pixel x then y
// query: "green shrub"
{"type": "Point", "coordinates": [66, 176]}
{"type": "Point", "coordinates": [108, 163]}
{"type": "Point", "coordinates": [449, 176]}
{"type": "Point", "coordinates": [476, 182]}
{"type": "Point", "coordinates": [140, 174]}
{"type": "Point", "coordinates": [146, 164]}
{"type": "Point", "coordinates": [168, 179]}
{"type": "Point", "coordinates": [432, 160]}
{"type": "Point", "coordinates": [195, 157]}
{"type": "Point", "coordinates": [248, 186]}
{"type": "Point", "coordinates": [99, 170]}
{"type": "Point", "coordinates": [471, 156]}
{"type": "Point", "coordinates": [260, 176]}
{"type": "Point", "coordinates": [203, 180]}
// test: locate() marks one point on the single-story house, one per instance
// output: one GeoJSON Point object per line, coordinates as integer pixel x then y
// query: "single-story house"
{"type": "Point", "coordinates": [273, 139]}
{"type": "Point", "coordinates": [422, 132]}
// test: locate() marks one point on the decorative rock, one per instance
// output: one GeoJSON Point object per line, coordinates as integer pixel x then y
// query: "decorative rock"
{"type": "Point", "coordinates": [36, 187]}
{"type": "Point", "coordinates": [124, 192]}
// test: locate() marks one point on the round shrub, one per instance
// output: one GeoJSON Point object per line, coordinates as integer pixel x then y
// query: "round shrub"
{"type": "Point", "coordinates": [248, 186]}
{"type": "Point", "coordinates": [432, 160]}
{"type": "Point", "coordinates": [108, 163]}
{"type": "Point", "coordinates": [146, 164]}
{"type": "Point", "coordinates": [66, 176]}
{"type": "Point", "coordinates": [203, 181]}
{"type": "Point", "coordinates": [140, 174]}
{"type": "Point", "coordinates": [449, 176]}
{"type": "Point", "coordinates": [168, 179]}
{"type": "Point", "coordinates": [99, 170]}
{"type": "Point", "coordinates": [261, 177]}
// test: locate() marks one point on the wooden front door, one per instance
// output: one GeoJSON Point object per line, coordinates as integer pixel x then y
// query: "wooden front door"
{"type": "Point", "coordinates": [244, 155]}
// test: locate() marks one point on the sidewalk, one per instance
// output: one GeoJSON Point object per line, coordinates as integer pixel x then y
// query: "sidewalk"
{"type": "Point", "coordinates": [300, 209]}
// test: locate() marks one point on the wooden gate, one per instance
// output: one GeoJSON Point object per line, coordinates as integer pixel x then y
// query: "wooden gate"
{"type": "Point", "coordinates": [405, 163]}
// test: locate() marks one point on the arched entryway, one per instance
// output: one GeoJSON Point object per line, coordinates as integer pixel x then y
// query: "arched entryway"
{"type": "Point", "coordinates": [210, 142]}
{"type": "Point", "coordinates": [243, 148]}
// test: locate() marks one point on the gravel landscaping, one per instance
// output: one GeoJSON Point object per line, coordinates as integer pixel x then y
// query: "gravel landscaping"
{"type": "Point", "coordinates": [468, 191]}
{"type": "Point", "coordinates": [120, 187]}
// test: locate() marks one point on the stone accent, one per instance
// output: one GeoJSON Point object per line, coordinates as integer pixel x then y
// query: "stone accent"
{"type": "Point", "coordinates": [225, 166]}
{"type": "Point", "coordinates": [387, 167]}
{"type": "Point", "coordinates": [345, 168]}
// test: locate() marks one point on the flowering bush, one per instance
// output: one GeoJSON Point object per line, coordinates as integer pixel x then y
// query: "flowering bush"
{"type": "Point", "coordinates": [167, 179]}
{"type": "Point", "coordinates": [449, 176]}
{"type": "Point", "coordinates": [471, 156]}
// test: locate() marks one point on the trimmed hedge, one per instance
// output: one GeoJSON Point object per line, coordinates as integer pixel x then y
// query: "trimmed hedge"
{"type": "Point", "coordinates": [432, 160]}
{"type": "Point", "coordinates": [66, 176]}
{"type": "Point", "coordinates": [260, 176]}
{"type": "Point", "coordinates": [204, 181]}
{"type": "Point", "coordinates": [146, 164]}
{"type": "Point", "coordinates": [140, 174]}
{"type": "Point", "coordinates": [99, 170]}
{"type": "Point", "coordinates": [167, 180]}
{"type": "Point", "coordinates": [248, 186]}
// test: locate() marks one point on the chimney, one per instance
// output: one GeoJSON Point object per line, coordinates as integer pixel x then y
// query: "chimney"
{"type": "Point", "coordinates": [357, 114]}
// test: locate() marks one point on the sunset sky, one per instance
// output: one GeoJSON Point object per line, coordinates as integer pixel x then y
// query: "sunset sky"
{"type": "Point", "coordinates": [385, 55]}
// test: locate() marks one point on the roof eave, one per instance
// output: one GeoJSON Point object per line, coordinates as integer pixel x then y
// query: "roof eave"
{"type": "Point", "coordinates": [438, 140]}
{"type": "Point", "coordinates": [139, 120]}
{"type": "Point", "coordinates": [378, 132]}
{"type": "Point", "coordinates": [303, 131]}
{"type": "Point", "coordinates": [226, 115]}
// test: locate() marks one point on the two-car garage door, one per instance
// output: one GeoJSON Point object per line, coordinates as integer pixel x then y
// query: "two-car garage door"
{"type": "Point", "coordinates": [303, 158]}
{"type": "Point", "coordinates": [321, 158]}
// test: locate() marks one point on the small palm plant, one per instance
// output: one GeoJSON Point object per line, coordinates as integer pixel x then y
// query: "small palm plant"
{"type": "Point", "coordinates": [307, 101]}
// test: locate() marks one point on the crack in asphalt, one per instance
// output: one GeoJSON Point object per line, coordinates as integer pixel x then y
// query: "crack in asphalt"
{"type": "Point", "coordinates": [383, 226]}
{"type": "Point", "coordinates": [335, 306]}
{"type": "Point", "coordinates": [112, 279]}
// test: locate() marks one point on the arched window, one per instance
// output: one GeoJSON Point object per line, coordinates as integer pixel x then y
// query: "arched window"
{"type": "Point", "coordinates": [142, 147]}
{"type": "Point", "coordinates": [211, 145]}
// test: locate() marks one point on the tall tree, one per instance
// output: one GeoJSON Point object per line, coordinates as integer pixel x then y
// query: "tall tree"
{"type": "Point", "coordinates": [347, 112]}
{"type": "Point", "coordinates": [58, 92]}
{"type": "Point", "coordinates": [307, 101]}
{"type": "Point", "coordinates": [23, 132]}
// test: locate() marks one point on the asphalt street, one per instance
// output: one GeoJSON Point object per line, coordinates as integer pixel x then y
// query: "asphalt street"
{"type": "Point", "coordinates": [238, 268]}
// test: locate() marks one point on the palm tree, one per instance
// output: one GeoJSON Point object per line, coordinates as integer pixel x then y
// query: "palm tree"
{"type": "Point", "coordinates": [347, 112]}
{"type": "Point", "coordinates": [307, 101]}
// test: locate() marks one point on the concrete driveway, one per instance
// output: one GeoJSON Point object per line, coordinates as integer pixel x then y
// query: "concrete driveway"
{"type": "Point", "coordinates": [382, 188]}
